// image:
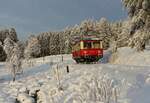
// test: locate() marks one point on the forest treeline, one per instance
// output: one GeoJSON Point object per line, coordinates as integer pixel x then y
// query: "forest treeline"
{"type": "Point", "coordinates": [133, 32]}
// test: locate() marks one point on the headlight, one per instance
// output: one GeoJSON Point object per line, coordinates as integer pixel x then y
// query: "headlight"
{"type": "Point", "coordinates": [99, 52]}
{"type": "Point", "coordinates": [84, 52]}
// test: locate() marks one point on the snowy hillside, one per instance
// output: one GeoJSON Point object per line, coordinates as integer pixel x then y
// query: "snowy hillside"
{"type": "Point", "coordinates": [128, 56]}
{"type": "Point", "coordinates": [48, 81]}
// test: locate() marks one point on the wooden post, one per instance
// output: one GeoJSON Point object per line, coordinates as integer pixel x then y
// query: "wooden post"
{"type": "Point", "coordinates": [67, 69]}
{"type": "Point", "coordinates": [115, 93]}
{"type": "Point", "coordinates": [58, 78]}
{"type": "Point", "coordinates": [43, 59]}
{"type": "Point", "coordinates": [13, 72]}
{"type": "Point", "coordinates": [62, 58]}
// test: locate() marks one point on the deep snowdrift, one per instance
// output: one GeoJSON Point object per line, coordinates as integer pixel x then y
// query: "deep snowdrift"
{"type": "Point", "coordinates": [128, 56]}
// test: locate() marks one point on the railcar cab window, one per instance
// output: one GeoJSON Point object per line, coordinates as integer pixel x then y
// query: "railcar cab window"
{"type": "Point", "coordinates": [87, 45]}
{"type": "Point", "coordinates": [96, 44]}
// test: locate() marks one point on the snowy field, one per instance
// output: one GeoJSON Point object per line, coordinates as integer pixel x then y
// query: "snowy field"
{"type": "Point", "coordinates": [45, 80]}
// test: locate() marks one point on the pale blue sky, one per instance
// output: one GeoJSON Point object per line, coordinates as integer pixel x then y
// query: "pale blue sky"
{"type": "Point", "coordinates": [36, 16]}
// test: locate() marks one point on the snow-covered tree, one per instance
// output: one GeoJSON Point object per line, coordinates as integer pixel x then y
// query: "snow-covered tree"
{"type": "Point", "coordinates": [54, 44]}
{"type": "Point", "coordinates": [2, 54]}
{"type": "Point", "coordinates": [124, 35]}
{"type": "Point", "coordinates": [13, 35]}
{"type": "Point", "coordinates": [139, 16]}
{"type": "Point", "coordinates": [4, 33]}
{"type": "Point", "coordinates": [14, 56]}
{"type": "Point", "coordinates": [21, 45]}
{"type": "Point", "coordinates": [103, 30]}
{"type": "Point", "coordinates": [62, 43]}
{"type": "Point", "coordinates": [44, 42]}
{"type": "Point", "coordinates": [68, 39]}
{"type": "Point", "coordinates": [116, 29]}
{"type": "Point", "coordinates": [8, 47]}
{"type": "Point", "coordinates": [33, 48]}
{"type": "Point", "coordinates": [139, 42]}
{"type": "Point", "coordinates": [86, 27]}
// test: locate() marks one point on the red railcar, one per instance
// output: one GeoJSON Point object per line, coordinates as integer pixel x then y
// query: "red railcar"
{"type": "Point", "coordinates": [87, 50]}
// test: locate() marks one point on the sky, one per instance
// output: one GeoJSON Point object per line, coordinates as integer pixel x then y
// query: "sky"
{"type": "Point", "coordinates": [34, 16]}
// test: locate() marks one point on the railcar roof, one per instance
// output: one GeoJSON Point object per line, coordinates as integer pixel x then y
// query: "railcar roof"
{"type": "Point", "coordinates": [93, 39]}
{"type": "Point", "coordinates": [77, 39]}
{"type": "Point", "coordinates": [85, 40]}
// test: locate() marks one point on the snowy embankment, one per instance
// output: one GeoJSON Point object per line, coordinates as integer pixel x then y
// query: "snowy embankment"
{"type": "Point", "coordinates": [47, 60]}
{"type": "Point", "coordinates": [128, 56]}
{"type": "Point", "coordinates": [48, 81]}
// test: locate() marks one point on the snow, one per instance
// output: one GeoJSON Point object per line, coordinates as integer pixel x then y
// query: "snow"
{"type": "Point", "coordinates": [125, 80]}
{"type": "Point", "coordinates": [128, 56]}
